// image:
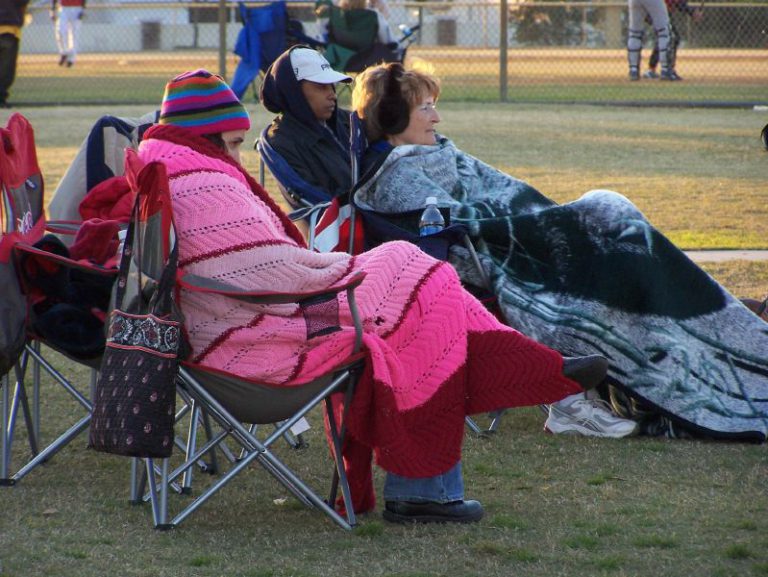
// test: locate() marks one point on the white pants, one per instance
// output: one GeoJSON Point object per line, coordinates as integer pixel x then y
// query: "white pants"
{"type": "Point", "coordinates": [67, 30]}
{"type": "Point", "coordinates": [657, 10]}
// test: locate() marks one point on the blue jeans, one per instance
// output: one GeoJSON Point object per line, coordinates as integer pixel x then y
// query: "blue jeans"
{"type": "Point", "coordinates": [439, 489]}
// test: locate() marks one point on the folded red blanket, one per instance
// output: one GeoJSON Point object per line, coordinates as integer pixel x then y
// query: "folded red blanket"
{"type": "Point", "coordinates": [108, 200]}
{"type": "Point", "coordinates": [96, 242]}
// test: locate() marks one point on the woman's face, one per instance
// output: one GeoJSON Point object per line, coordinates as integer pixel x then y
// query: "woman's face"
{"type": "Point", "coordinates": [233, 140]}
{"type": "Point", "coordinates": [320, 97]}
{"type": "Point", "coordinates": [421, 124]}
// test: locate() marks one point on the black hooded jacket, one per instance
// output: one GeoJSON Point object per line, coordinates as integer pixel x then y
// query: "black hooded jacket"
{"type": "Point", "coordinates": [318, 152]}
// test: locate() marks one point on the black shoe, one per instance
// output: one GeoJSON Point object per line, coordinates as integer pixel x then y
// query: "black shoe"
{"type": "Point", "coordinates": [670, 75]}
{"type": "Point", "coordinates": [634, 74]}
{"type": "Point", "coordinates": [62, 59]}
{"type": "Point", "coordinates": [588, 371]}
{"type": "Point", "coordinates": [453, 512]}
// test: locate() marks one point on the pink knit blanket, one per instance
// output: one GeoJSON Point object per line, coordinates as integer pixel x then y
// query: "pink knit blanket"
{"type": "Point", "coordinates": [435, 354]}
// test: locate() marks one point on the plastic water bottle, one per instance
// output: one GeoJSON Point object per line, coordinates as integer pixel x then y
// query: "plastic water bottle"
{"type": "Point", "coordinates": [431, 220]}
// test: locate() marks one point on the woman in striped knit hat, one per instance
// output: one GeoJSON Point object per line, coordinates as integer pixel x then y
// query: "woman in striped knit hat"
{"type": "Point", "coordinates": [435, 354]}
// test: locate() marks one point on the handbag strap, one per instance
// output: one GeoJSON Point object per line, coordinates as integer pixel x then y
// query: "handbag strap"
{"type": "Point", "coordinates": [161, 301]}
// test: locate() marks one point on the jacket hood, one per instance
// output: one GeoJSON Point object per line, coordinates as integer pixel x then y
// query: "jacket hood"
{"type": "Point", "coordinates": [281, 93]}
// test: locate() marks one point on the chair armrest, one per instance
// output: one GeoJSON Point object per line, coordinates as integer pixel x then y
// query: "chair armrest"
{"type": "Point", "coordinates": [21, 249]}
{"type": "Point", "coordinates": [206, 285]}
{"type": "Point", "coordinates": [308, 211]}
{"type": "Point", "coordinates": [64, 227]}
{"type": "Point", "coordinates": [303, 299]}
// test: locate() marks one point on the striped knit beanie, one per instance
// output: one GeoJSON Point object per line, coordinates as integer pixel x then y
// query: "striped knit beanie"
{"type": "Point", "coordinates": [203, 103]}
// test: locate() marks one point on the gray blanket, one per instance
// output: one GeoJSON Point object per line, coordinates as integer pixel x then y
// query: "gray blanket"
{"type": "Point", "coordinates": [594, 276]}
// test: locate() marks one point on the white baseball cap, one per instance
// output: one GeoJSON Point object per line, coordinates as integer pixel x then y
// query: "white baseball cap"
{"type": "Point", "coordinates": [310, 65]}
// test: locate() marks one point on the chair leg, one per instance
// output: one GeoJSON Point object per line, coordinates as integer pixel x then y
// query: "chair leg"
{"type": "Point", "coordinates": [493, 425]}
{"type": "Point", "coordinates": [138, 482]}
{"type": "Point", "coordinates": [159, 495]}
{"type": "Point", "coordinates": [32, 415]}
{"type": "Point", "coordinates": [9, 409]}
{"type": "Point", "coordinates": [339, 473]}
{"type": "Point", "coordinates": [5, 448]}
{"type": "Point", "coordinates": [186, 483]}
{"type": "Point", "coordinates": [473, 426]}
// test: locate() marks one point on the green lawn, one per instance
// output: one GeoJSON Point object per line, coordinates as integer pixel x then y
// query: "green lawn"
{"type": "Point", "coordinates": [699, 174]}
{"type": "Point", "coordinates": [556, 506]}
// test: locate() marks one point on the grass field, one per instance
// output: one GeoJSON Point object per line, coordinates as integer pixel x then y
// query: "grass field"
{"type": "Point", "coordinates": [556, 506]}
{"type": "Point", "coordinates": [545, 75]}
{"type": "Point", "coordinates": [700, 175]}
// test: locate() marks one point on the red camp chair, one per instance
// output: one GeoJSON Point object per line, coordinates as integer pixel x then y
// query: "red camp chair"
{"type": "Point", "coordinates": [51, 305]}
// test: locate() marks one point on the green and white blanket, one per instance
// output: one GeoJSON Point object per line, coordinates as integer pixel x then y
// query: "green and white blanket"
{"type": "Point", "coordinates": [594, 276]}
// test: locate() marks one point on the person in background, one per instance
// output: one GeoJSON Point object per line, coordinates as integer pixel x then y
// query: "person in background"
{"type": "Point", "coordinates": [591, 275]}
{"type": "Point", "coordinates": [385, 35]}
{"type": "Point", "coordinates": [12, 13]}
{"type": "Point", "coordinates": [656, 11]}
{"type": "Point", "coordinates": [673, 7]}
{"type": "Point", "coordinates": [67, 16]}
{"type": "Point", "coordinates": [435, 353]}
{"type": "Point", "coordinates": [310, 132]}
{"type": "Point", "coordinates": [381, 6]}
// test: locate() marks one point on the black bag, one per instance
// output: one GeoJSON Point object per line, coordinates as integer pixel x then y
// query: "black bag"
{"type": "Point", "coordinates": [135, 403]}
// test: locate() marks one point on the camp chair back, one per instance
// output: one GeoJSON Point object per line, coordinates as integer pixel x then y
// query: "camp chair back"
{"type": "Point", "coordinates": [353, 40]}
{"type": "Point", "coordinates": [99, 158]}
{"type": "Point", "coordinates": [307, 200]}
{"type": "Point", "coordinates": [266, 33]}
{"type": "Point", "coordinates": [260, 41]}
{"type": "Point", "coordinates": [237, 404]}
{"type": "Point", "coordinates": [55, 297]}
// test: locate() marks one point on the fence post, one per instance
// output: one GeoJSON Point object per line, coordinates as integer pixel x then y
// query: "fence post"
{"type": "Point", "coordinates": [503, 49]}
{"type": "Point", "coordinates": [421, 24]}
{"type": "Point", "coordinates": [223, 39]}
{"type": "Point", "coordinates": [612, 24]}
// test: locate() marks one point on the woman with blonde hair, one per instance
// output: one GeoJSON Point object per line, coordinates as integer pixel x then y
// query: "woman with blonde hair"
{"type": "Point", "coordinates": [588, 276]}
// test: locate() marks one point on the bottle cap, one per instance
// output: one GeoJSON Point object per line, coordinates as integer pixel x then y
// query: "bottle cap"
{"type": "Point", "coordinates": [431, 200]}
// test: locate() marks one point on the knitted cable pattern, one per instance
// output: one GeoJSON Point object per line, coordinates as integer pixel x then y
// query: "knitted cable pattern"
{"type": "Point", "coordinates": [434, 352]}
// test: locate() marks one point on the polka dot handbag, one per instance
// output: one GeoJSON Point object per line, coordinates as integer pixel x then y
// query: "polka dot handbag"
{"type": "Point", "coordinates": [135, 402]}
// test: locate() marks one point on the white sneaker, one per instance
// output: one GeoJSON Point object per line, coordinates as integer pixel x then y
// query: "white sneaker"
{"type": "Point", "coordinates": [589, 417]}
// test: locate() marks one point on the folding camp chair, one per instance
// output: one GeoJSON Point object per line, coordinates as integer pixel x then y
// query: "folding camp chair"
{"type": "Point", "coordinates": [236, 403]}
{"type": "Point", "coordinates": [308, 201]}
{"type": "Point", "coordinates": [56, 294]}
{"type": "Point", "coordinates": [353, 43]}
{"type": "Point", "coordinates": [267, 31]}
{"type": "Point", "coordinates": [99, 158]}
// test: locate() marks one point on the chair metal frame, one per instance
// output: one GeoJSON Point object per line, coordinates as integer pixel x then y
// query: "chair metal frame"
{"type": "Point", "coordinates": [31, 412]}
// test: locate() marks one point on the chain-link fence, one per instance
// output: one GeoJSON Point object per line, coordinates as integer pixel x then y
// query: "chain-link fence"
{"type": "Point", "coordinates": [525, 50]}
